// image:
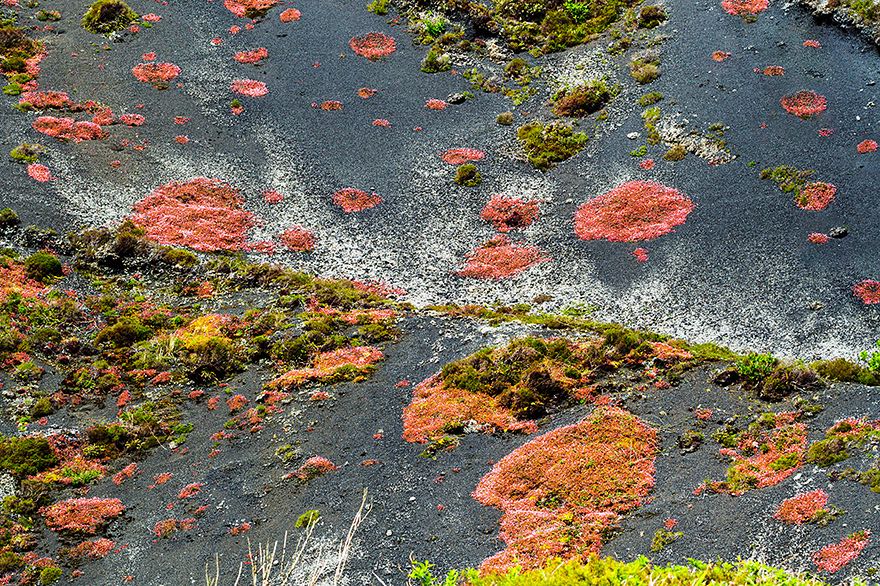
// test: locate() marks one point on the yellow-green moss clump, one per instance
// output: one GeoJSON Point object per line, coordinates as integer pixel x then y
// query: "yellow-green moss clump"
{"type": "Point", "coordinates": [108, 16]}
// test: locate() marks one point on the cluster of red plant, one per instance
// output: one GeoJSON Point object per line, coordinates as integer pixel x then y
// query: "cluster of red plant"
{"type": "Point", "coordinates": [125, 473]}
{"type": "Point", "coordinates": [802, 508]}
{"type": "Point", "coordinates": [366, 93]}
{"type": "Point", "coordinates": [818, 238]}
{"type": "Point", "coordinates": [635, 210]}
{"type": "Point", "coordinates": [804, 104]}
{"type": "Point", "coordinates": [68, 128]}
{"type": "Point", "coordinates": [290, 15]}
{"type": "Point", "coordinates": [355, 200]}
{"type": "Point", "coordinates": [434, 407]}
{"type": "Point", "coordinates": [461, 156]}
{"type": "Point", "coordinates": [249, 87]}
{"type": "Point", "coordinates": [312, 468]}
{"type": "Point", "coordinates": [867, 146]}
{"type": "Point", "coordinates": [719, 56]}
{"type": "Point", "coordinates": [555, 506]}
{"type": "Point", "coordinates": [242, 8]}
{"type": "Point", "coordinates": [191, 489]}
{"type": "Point", "coordinates": [382, 123]}
{"type": "Point", "coordinates": [744, 7]}
{"type": "Point", "coordinates": [373, 46]}
{"type": "Point", "coordinates": [329, 105]}
{"type": "Point", "coordinates": [154, 72]}
{"type": "Point", "coordinates": [507, 213]}
{"type": "Point", "coordinates": [47, 100]}
{"type": "Point", "coordinates": [812, 44]}
{"type": "Point", "coordinates": [298, 239]}
{"type": "Point", "coordinates": [203, 214]}
{"type": "Point", "coordinates": [832, 558]}
{"type": "Point", "coordinates": [641, 254]}
{"type": "Point", "coordinates": [435, 104]}
{"type": "Point", "coordinates": [647, 164]}
{"type": "Point", "coordinates": [82, 515]}
{"type": "Point", "coordinates": [132, 119]}
{"type": "Point", "coordinates": [773, 70]}
{"type": "Point", "coordinates": [868, 291]}
{"type": "Point", "coordinates": [764, 458]}
{"type": "Point", "coordinates": [94, 549]}
{"type": "Point", "coordinates": [500, 258]}
{"type": "Point", "coordinates": [253, 56]}
{"type": "Point", "coordinates": [39, 172]}
{"type": "Point", "coordinates": [327, 364]}
{"type": "Point", "coordinates": [816, 196]}
{"type": "Point", "coordinates": [167, 527]}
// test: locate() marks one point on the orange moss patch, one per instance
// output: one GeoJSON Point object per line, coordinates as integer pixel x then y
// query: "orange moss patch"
{"type": "Point", "coordinates": [560, 491]}
{"type": "Point", "coordinates": [82, 515]}
{"type": "Point", "coordinates": [348, 363]}
{"type": "Point", "coordinates": [290, 15]}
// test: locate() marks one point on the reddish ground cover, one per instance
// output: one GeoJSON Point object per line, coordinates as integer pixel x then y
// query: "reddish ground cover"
{"type": "Point", "coordinates": [804, 104]}
{"type": "Point", "coordinates": [636, 210]}
{"type": "Point", "coordinates": [436, 407]}
{"type": "Point", "coordinates": [867, 146]}
{"type": "Point", "coordinates": [203, 214]}
{"type": "Point", "coordinates": [355, 200]}
{"type": "Point", "coordinates": [719, 56]}
{"type": "Point", "coordinates": [366, 93]}
{"type": "Point", "coordinates": [48, 100]}
{"type": "Point", "coordinates": [816, 196]}
{"type": "Point", "coordinates": [82, 515]}
{"type": "Point", "coordinates": [507, 213]}
{"type": "Point", "coordinates": [249, 8]}
{"type": "Point", "coordinates": [818, 238]}
{"type": "Point", "coordinates": [773, 70]}
{"type": "Point", "coordinates": [500, 258]}
{"type": "Point", "coordinates": [290, 15]}
{"type": "Point", "coordinates": [68, 128]}
{"type": "Point", "coordinates": [764, 457]}
{"type": "Point", "coordinates": [560, 491]}
{"type": "Point", "coordinates": [641, 254]}
{"type": "Point", "coordinates": [868, 291]}
{"type": "Point", "coordinates": [132, 119]}
{"type": "Point", "coordinates": [435, 104]}
{"type": "Point", "coordinates": [802, 508]}
{"type": "Point", "coordinates": [832, 558]}
{"type": "Point", "coordinates": [744, 7]}
{"type": "Point", "coordinates": [373, 46]}
{"type": "Point", "coordinates": [253, 56]}
{"type": "Point", "coordinates": [298, 239]}
{"type": "Point", "coordinates": [249, 87]}
{"type": "Point", "coordinates": [93, 550]}
{"type": "Point", "coordinates": [360, 359]}
{"type": "Point", "coordinates": [314, 467]}
{"type": "Point", "coordinates": [154, 72]}
{"type": "Point", "coordinates": [461, 156]}
{"type": "Point", "coordinates": [812, 44]}
{"type": "Point", "coordinates": [39, 172]}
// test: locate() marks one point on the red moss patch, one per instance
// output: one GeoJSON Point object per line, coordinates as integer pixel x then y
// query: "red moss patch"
{"type": "Point", "coordinates": [249, 8]}
{"type": "Point", "coordinates": [50, 100]}
{"type": "Point", "coordinates": [816, 196]}
{"type": "Point", "coordinates": [435, 104]}
{"type": "Point", "coordinates": [39, 173]}
{"type": "Point", "coordinates": [500, 258]}
{"type": "Point", "coordinates": [155, 73]}
{"type": "Point", "coordinates": [818, 238]}
{"type": "Point", "coordinates": [507, 213]}
{"type": "Point", "coordinates": [373, 46]}
{"type": "Point", "coordinates": [298, 239]}
{"type": "Point", "coordinates": [867, 146]}
{"type": "Point", "coordinates": [82, 515]}
{"type": "Point", "coordinates": [367, 93]}
{"type": "Point", "coordinates": [812, 44]}
{"type": "Point", "coordinates": [868, 291]}
{"type": "Point", "coordinates": [636, 210]}
{"type": "Point", "coordinates": [355, 200]}
{"type": "Point", "coordinates": [132, 119]}
{"type": "Point", "coordinates": [719, 56]}
{"type": "Point", "coordinates": [314, 467]}
{"type": "Point", "coordinates": [462, 156]}
{"type": "Point", "coordinates": [250, 88]}
{"type": "Point", "coordinates": [68, 128]}
{"type": "Point", "coordinates": [253, 56]}
{"type": "Point", "coordinates": [330, 105]}
{"type": "Point", "coordinates": [92, 550]}
{"type": "Point", "coordinates": [560, 491]}
{"type": "Point", "coordinates": [203, 214]}
{"type": "Point", "coordinates": [744, 7]}
{"type": "Point", "coordinates": [290, 15]}
{"type": "Point", "coordinates": [641, 254]}
{"type": "Point", "coordinates": [360, 359]}
{"type": "Point", "coordinates": [802, 508]}
{"type": "Point", "coordinates": [804, 104]}
{"type": "Point", "coordinates": [773, 71]}
{"type": "Point", "coordinates": [832, 558]}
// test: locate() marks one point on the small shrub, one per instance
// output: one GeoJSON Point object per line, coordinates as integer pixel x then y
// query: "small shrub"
{"type": "Point", "coordinates": [8, 218]}
{"type": "Point", "coordinates": [436, 61]}
{"type": "Point", "coordinates": [675, 153]}
{"type": "Point", "coordinates": [550, 143]}
{"type": "Point", "coordinates": [645, 69]}
{"type": "Point", "coordinates": [108, 16]}
{"type": "Point", "coordinates": [582, 100]}
{"type": "Point", "coordinates": [505, 119]}
{"type": "Point", "coordinates": [124, 333]}
{"type": "Point", "coordinates": [43, 267]}
{"type": "Point", "coordinates": [871, 358]}
{"type": "Point", "coordinates": [50, 575]}
{"type": "Point", "coordinates": [379, 7]}
{"type": "Point", "coordinates": [26, 456]}
{"type": "Point", "coordinates": [308, 519]}
{"type": "Point", "coordinates": [468, 175]}
{"type": "Point", "coordinates": [651, 16]}
{"type": "Point", "coordinates": [26, 153]}
{"type": "Point", "coordinates": [754, 367]}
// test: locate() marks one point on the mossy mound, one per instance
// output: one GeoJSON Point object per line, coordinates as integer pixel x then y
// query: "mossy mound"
{"type": "Point", "coordinates": [108, 16]}
{"type": "Point", "coordinates": [550, 143]}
